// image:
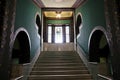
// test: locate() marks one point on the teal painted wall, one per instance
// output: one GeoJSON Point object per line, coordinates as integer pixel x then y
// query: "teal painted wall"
{"type": "Point", "coordinates": [58, 21]}
{"type": "Point", "coordinates": [93, 15]}
{"type": "Point", "coordinates": [26, 11]}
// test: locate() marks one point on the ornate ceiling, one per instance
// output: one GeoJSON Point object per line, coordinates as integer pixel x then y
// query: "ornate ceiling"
{"type": "Point", "coordinates": [54, 14]}
{"type": "Point", "coordinates": [58, 4]}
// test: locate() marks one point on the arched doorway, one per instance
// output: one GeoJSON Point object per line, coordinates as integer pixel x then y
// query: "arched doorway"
{"type": "Point", "coordinates": [20, 54]}
{"type": "Point", "coordinates": [78, 24]}
{"type": "Point", "coordinates": [38, 23]}
{"type": "Point", "coordinates": [99, 52]}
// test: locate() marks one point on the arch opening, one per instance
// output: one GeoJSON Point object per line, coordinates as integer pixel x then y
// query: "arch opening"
{"type": "Point", "coordinates": [20, 54]}
{"type": "Point", "coordinates": [21, 48]}
{"type": "Point", "coordinates": [78, 23]}
{"type": "Point", "coordinates": [99, 51]}
{"type": "Point", "coordinates": [38, 23]}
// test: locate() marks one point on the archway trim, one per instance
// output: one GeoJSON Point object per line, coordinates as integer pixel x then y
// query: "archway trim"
{"type": "Point", "coordinates": [80, 26]}
{"type": "Point", "coordinates": [24, 30]}
{"type": "Point", "coordinates": [36, 26]}
{"type": "Point", "coordinates": [100, 28]}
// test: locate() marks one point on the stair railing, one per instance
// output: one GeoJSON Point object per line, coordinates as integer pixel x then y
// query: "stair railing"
{"type": "Point", "coordinates": [102, 77]}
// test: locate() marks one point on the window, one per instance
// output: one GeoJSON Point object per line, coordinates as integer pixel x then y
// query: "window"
{"type": "Point", "coordinates": [67, 34]}
{"type": "Point", "coordinates": [49, 34]}
{"type": "Point", "coordinates": [58, 34]}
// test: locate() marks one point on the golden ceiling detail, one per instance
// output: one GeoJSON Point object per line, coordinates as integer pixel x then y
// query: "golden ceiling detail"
{"type": "Point", "coordinates": [57, 5]}
{"type": "Point", "coordinates": [54, 14]}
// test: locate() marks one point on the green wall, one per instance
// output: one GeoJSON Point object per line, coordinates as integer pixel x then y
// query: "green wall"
{"type": "Point", "coordinates": [26, 18]}
{"type": "Point", "coordinates": [92, 13]}
{"type": "Point", "coordinates": [58, 21]}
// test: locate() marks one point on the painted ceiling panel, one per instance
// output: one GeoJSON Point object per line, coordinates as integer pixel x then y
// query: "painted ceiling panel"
{"type": "Point", "coordinates": [59, 3]}
{"type": "Point", "coordinates": [54, 13]}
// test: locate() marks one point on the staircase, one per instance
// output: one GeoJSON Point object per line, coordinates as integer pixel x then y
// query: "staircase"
{"type": "Point", "coordinates": [59, 65]}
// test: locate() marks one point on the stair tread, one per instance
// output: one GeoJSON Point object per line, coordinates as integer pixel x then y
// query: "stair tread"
{"type": "Point", "coordinates": [72, 75]}
{"type": "Point", "coordinates": [61, 65]}
{"type": "Point", "coordinates": [61, 71]}
{"type": "Point", "coordinates": [56, 72]}
{"type": "Point", "coordinates": [56, 61]}
{"type": "Point", "coordinates": [67, 77]}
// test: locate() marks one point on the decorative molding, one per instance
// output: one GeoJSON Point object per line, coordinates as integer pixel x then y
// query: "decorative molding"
{"type": "Point", "coordinates": [58, 9]}
{"type": "Point", "coordinates": [39, 3]}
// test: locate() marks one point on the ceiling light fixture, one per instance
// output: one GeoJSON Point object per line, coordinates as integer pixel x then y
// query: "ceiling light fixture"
{"type": "Point", "coordinates": [58, 14]}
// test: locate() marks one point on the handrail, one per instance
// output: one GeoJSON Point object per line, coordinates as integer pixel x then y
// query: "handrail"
{"type": "Point", "coordinates": [26, 64]}
{"type": "Point", "coordinates": [17, 78]}
{"type": "Point", "coordinates": [93, 63]}
{"type": "Point", "coordinates": [104, 77]}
